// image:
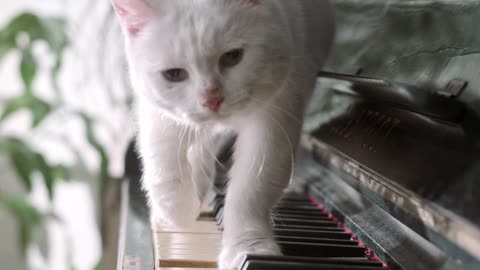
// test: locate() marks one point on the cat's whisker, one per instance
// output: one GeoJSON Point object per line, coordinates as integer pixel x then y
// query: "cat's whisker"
{"type": "Point", "coordinates": [202, 161]}
{"type": "Point", "coordinates": [260, 170]}
{"type": "Point", "coordinates": [237, 98]}
{"type": "Point", "coordinates": [179, 154]}
{"type": "Point", "coordinates": [212, 180]}
{"type": "Point", "coordinates": [212, 152]}
{"type": "Point", "coordinates": [279, 109]}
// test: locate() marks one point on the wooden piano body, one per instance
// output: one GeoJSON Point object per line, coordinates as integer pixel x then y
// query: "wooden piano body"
{"type": "Point", "coordinates": [396, 164]}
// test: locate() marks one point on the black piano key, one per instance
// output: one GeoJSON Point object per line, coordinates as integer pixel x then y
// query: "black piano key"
{"type": "Point", "coordinates": [312, 233]}
{"type": "Point", "coordinates": [312, 213]}
{"type": "Point", "coordinates": [295, 200]}
{"type": "Point", "coordinates": [304, 222]}
{"type": "Point", "coordinates": [309, 228]}
{"type": "Point", "coordinates": [299, 196]}
{"type": "Point", "coordinates": [298, 207]}
{"type": "Point", "coordinates": [217, 206]}
{"type": "Point", "coordinates": [219, 217]}
{"type": "Point", "coordinates": [320, 250]}
{"type": "Point", "coordinates": [266, 265]}
{"type": "Point", "coordinates": [316, 240]}
{"type": "Point", "coordinates": [214, 196]}
{"type": "Point", "coordinates": [251, 262]}
{"type": "Point", "coordinates": [214, 200]}
{"type": "Point", "coordinates": [303, 199]}
{"type": "Point", "coordinates": [291, 204]}
{"type": "Point", "coordinates": [307, 217]}
{"type": "Point", "coordinates": [303, 231]}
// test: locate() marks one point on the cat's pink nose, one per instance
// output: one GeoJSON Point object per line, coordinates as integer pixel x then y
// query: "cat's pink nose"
{"type": "Point", "coordinates": [213, 99]}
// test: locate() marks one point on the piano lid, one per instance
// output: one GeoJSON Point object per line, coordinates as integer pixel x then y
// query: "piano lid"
{"type": "Point", "coordinates": [398, 142]}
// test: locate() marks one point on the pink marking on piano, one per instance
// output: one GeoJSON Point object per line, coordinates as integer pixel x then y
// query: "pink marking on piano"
{"type": "Point", "coordinates": [368, 251]}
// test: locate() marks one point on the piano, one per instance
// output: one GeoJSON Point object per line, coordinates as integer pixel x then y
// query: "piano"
{"type": "Point", "coordinates": [388, 172]}
{"type": "Point", "coordinates": [387, 178]}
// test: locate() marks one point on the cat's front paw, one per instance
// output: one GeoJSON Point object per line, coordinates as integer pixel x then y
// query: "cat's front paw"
{"type": "Point", "coordinates": [232, 256]}
{"type": "Point", "coordinates": [174, 205]}
{"type": "Point", "coordinates": [174, 213]}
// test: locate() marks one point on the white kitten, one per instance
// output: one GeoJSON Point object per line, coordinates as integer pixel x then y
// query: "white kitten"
{"type": "Point", "coordinates": [205, 69]}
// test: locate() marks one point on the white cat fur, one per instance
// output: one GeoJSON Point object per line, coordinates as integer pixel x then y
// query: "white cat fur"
{"type": "Point", "coordinates": [285, 43]}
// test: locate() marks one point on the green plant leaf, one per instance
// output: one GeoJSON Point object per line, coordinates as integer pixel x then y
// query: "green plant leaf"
{"type": "Point", "coordinates": [28, 69]}
{"type": "Point", "coordinates": [21, 160]}
{"type": "Point", "coordinates": [5, 45]}
{"type": "Point", "coordinates": [47, 173]}
{"type": "Point", "coordinates": [55, 34]}
{"type": "Point", "coordinates": [13, 105]}
{"type": "Point", "coordinates": [23, 23]}
{"type": "Point", "coordinates": [25, 161]}
{"type": "Point", "coordinates": [28, 217]}
{"type": "Point", "coordinates": [39, 108]}
{"type": "Point", "coordinates": [51, 30]}
{"type": "Point", "coordinates": [60, 173]}
{"type": "Point", "coordinates": [48, 29]}
{"type": "Point", "coordinates": [98, 266]}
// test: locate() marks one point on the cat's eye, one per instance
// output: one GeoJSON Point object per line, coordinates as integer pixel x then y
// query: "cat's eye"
{"type": "Point", "coordinates": [231, 58]}
{"type": "Point", "coordinates": [175, 75]}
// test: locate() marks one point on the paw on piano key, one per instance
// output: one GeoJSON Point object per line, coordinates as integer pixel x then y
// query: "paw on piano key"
{"type": "Point", "coordinates": [307, 236]}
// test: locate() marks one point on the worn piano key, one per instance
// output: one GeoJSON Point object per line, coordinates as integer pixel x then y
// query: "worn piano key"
{"type": "Point", "coordinates": [308, 228]}
{"type": "Point", "coordinates": [217, 206]}
{"type": "Point", "coordinates": [312, 213]}
{"type": "Point", "coordinates": [304, 232]}
{"type": "Point", "coordinates": [304, 222]}
{"type": "Point", "coordinates": [292, 202]}
{"type": "Point", "coordinates": [196, 227]}
{"type": "Point", "coordinates": [269, 265]}
{"type": "Point", "coordinates": [295, 197]}
{"type": "Point", "coordinates": [320, 250]}
{"type": "Point", "coordinates": [211, 195]}
{"type": "Point", "coordinates": [206, 212]}
{"type": "Point", "coordinates": [187, 250]}
{"type": "Point", "coordinates": [219, 217]}
{"type": "Point", "coordinates": [312, 233]}
{"type": "Point", "coordinates": [251, 262]}
{"type": "Point", "coordinates": [284, 202]}
{"type": "Point", "coordinates": [303, 217]}
{"type": "Point", "coordinates": [316, 240]}
{"type": "Point", "coordinates": [301, 207]}
{"type": "Point", "coordinates": [186, 247]}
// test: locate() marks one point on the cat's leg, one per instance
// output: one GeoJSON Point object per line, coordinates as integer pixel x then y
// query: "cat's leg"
{"type": "Point", "coordinates": [203, 157]}
{"type": "Point", "coordinates": [202, 162]}
{"type": "Point", "coordinates": [263, 163]}
{"type": "Point", "coordinates": [163, 146]}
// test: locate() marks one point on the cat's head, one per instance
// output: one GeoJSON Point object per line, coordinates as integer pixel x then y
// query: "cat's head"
{"type": "Point", "coordinates": [204, 60]}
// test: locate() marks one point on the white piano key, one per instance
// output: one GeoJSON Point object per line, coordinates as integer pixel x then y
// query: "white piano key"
{"type": "Point", "coordinates": [194, 247]}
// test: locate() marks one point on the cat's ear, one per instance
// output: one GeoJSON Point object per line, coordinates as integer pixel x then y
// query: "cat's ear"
{"type": "Point", "coordinates": [132, 14]}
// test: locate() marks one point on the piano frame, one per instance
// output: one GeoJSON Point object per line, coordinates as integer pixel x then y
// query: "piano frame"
{"type": "Point", "coordinates": [403, 229]}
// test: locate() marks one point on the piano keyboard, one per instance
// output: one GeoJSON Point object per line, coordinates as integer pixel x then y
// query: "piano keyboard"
{"type": "Point", "coordinates": [310, 238]}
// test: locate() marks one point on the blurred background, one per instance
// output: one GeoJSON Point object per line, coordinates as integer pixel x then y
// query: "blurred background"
{"type": "Point", "coordinates": [64, 126]}
{"type": "Point", "coordinates": [65, 118]}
